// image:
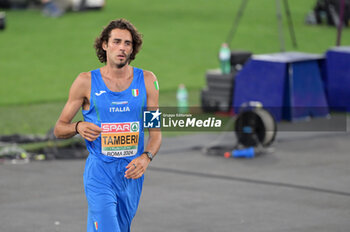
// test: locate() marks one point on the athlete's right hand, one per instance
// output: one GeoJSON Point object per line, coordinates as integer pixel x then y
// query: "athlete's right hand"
{"type": "Point", "coordinates": [89, 131]}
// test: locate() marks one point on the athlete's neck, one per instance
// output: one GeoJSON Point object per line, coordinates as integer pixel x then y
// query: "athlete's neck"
{"type": "Point", "coordinates": [117, 73]}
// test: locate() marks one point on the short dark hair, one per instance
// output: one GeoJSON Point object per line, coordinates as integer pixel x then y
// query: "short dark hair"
{"type": "Point", "coordinates": [105, 34]}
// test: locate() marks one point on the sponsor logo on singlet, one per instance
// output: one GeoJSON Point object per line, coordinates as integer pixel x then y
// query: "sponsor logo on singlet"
{"type": "Point", "coordinates": [120, 139]}
{"type": "Point", "coordinates": [101, 92]}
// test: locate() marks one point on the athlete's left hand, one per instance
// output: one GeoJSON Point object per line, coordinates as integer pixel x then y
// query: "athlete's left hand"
{"type": "Point", "coordinates": [137, 167]}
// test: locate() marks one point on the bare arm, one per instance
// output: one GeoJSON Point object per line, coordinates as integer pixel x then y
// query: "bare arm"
{"type": "Point", "coordinates": [78, 95]}
{"type": "Point", "coordinates": [155, 136]}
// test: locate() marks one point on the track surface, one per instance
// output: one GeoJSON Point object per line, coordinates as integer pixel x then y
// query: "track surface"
{"type": "Point", "coordinates": [303, 186]}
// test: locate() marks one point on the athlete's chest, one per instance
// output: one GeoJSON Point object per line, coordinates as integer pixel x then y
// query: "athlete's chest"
{"type": "Point", "coordinates": [126, 103]}
{"type": "Point", "coordinates": [117, 85]}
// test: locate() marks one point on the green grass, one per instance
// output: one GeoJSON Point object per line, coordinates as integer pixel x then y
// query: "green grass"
{"type": "Point", "coordinates": [41, 117]}
{"type": "Point", "coordinates": [40, 57]}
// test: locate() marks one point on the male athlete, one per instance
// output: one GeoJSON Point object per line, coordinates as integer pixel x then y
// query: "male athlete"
{"type": "Point", "coordinates": [112, 99]}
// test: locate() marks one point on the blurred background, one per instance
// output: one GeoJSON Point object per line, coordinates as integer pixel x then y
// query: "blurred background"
{"type": "Point", "coordinates": [42, 51]}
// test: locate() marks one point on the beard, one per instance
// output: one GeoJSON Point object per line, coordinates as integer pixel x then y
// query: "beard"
{"type": "Point", "coordinates": [127, 61]}
{"type": "Point", "coordinates": [122, 64]}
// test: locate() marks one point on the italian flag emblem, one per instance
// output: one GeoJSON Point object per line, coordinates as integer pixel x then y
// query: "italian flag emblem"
{"type": "Point", "coordinates": [135, 92]}
{"type": "Point", "coordinates": [96, 226]}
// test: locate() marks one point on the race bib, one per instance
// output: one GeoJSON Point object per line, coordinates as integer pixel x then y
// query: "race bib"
{"type": "Point", "coordinates": [120, 139]}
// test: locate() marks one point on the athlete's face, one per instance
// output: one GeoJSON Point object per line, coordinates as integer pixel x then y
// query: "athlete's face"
{"type": "Point", "coordinates": [119, 47]}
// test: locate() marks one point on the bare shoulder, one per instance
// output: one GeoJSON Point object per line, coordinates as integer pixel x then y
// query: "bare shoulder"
{"type": "Point", "coordinates": [152, 88]}
{"type": "Point", "coordinates": [149, 76]}
{"type": "Point", "coordinates": [85, 75]}
{"type": "Point", "coordinates": [84, 78]}
{"type": "Point", "coordinates": [151, 82]}
{"type": "Point", "coordinates": [81, 85]}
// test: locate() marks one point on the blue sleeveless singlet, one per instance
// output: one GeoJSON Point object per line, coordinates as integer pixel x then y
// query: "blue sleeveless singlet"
{"type": "Point", "coordinates": [119, 114]}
